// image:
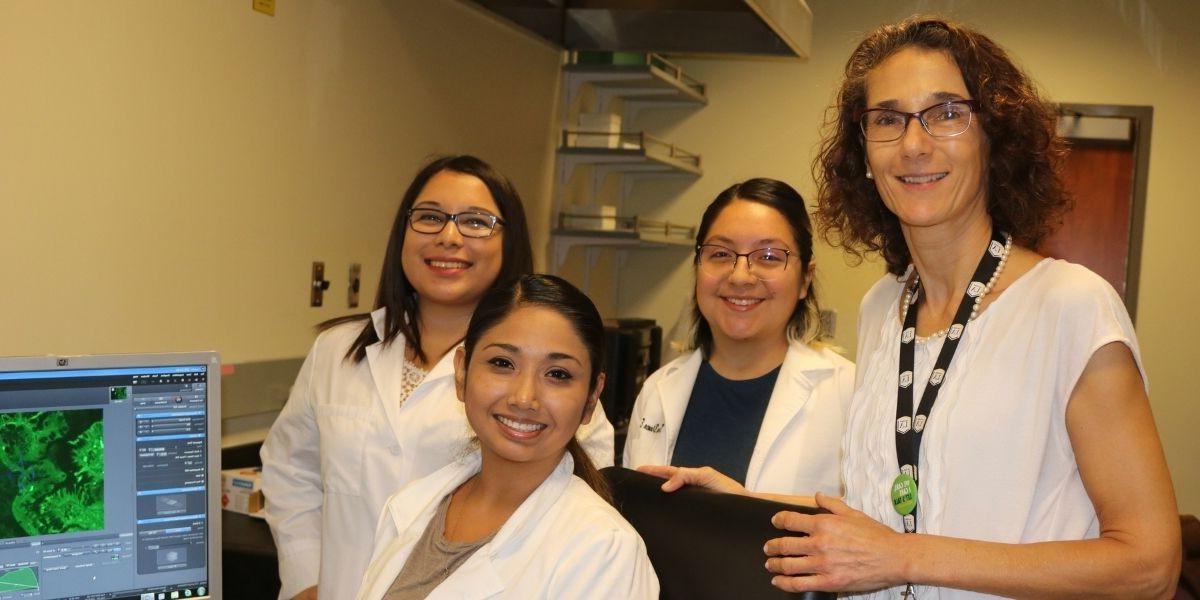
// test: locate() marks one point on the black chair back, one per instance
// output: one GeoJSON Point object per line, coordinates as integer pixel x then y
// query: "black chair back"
{"type": "Point", "coordinates": [704, 545]}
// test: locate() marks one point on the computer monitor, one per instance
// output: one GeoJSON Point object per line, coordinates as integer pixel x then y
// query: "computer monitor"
{"type": "Point", "coordinates": [110, 477]}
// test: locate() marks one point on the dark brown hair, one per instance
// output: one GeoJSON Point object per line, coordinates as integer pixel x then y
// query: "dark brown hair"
{"type": "Point", "coordinates": [556, 294]}
{"type": "Point", "coordinates": [786, 201]}
{"type": "Point", "coordinates": [1025, 195]}
{"type": "Point", "coordinates": [397, 294]}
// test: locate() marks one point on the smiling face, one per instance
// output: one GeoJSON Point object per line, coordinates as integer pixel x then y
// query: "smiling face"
{"type": "Point", "coordinates": [738, 306]}
{"type": "Point", "coordinates": [927, 182]}
{"type": "Point", "coordinates": [446, 268]}
{"type": "Point", "coordinates": [526, 387]}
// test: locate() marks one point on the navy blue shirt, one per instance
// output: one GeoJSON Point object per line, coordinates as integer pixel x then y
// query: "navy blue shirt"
{"type": "Point", "coordinates": [720, 426]}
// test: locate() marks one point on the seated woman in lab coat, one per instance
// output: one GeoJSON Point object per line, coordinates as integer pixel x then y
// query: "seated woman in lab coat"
{"type": "Point", "coordinates": [523, 515]}
{"type": "Point", "coordinates": [758, 399]}
{"type": "Point", "coordinates": [373, 407]}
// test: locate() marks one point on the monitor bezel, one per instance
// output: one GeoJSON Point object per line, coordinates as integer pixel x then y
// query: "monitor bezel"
{"type": "Point", "coordinates": [161, 359]}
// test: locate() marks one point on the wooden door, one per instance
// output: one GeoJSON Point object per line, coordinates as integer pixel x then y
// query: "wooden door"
{"type": "Point", "coordinates": [1096, 233]}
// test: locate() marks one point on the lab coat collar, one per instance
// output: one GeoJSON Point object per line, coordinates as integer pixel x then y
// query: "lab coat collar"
{"type": "Point", "coordinates": [527, 516]}
{"type": "Point", "coordinates": [479, 577]}
{"type": "Point", "coordinates": [379, 320]}
{"type": "Point", "coordinates": [386, 362]}
{"type": "Point", "coordinates": [675, 390]}
{"type": "Point", "coordinates": [421, 498]}
{"type": "Point", "coordinates": [802, 368]}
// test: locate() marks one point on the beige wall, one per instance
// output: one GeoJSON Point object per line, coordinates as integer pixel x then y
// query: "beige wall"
{"type": "Point", "coordinates": [763, 119]}
{"type": "Point", "coordinates": [169, 170]}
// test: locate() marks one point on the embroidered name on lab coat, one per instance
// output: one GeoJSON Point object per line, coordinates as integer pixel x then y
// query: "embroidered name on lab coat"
{"type": "Point", "coordinates": [651, 428]}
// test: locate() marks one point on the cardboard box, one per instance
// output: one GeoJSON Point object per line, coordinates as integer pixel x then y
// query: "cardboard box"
{"type": "Point", "coordinates": [602, 217]}
{"type": "Point", "coordinates": [606, 126]}
{"type": "Point", "coordinates": [241, 491]}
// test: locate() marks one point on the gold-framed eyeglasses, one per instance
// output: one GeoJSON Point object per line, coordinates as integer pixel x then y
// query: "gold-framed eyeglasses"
{"type": "Point", "coordinates": [944, 119]}
{"type": "Point", "coordinates": [472, 224]}
{"type": "Point", "coordinates": [764, 263]}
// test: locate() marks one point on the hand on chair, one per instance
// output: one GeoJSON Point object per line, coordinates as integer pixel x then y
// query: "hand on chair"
{"type": "Point", "coordinates": [844, 550]}
{"type": "Point", "coordinates": [706, 477]}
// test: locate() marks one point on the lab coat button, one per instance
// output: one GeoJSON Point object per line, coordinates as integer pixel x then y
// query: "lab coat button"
{"type": "Point", "coordinates": [395, 449]}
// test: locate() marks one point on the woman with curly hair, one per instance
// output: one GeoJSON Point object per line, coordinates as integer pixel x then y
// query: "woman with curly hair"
{"type": "Point", "coordinates": [1000, 439]}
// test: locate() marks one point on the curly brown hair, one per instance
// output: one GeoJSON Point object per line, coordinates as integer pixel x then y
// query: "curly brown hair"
{"type": "Point", "coordinates": [1026, 196]}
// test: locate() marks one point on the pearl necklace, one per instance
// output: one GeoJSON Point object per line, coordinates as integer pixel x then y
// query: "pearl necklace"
{"type": "Point", "coordinates": [908, 299]}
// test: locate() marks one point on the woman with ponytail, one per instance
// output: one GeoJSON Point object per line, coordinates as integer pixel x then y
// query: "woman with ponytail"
{"type": "Point", "coordinates": [525, 514]}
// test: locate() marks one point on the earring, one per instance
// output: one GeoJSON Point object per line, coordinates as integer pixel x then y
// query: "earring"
{"type": "Point", "coordinates": [870, 175]}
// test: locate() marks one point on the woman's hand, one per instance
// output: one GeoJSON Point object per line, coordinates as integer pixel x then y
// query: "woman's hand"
{"type": "Point", "coordinates": [844, 551]}
{"type": "Point", "coordinates": [706, 477]}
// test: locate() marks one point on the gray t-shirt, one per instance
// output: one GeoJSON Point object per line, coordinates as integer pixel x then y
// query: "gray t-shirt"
{"type": "Point", "coordinates": [432, 560]}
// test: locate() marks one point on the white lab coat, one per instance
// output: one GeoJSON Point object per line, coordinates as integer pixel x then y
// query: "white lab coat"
{"type": "Point", "coordinates": [343, 443]}
{"type": "Point", "coordinates": [563, 542]}
{"type": "Point", "coordinates": [798, 450]}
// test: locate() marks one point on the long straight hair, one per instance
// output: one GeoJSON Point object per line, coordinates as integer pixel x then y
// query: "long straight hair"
{"type": "Point", "coordinates": [396, 293]}
{"type": "Point", "coordinates": [554, 293]}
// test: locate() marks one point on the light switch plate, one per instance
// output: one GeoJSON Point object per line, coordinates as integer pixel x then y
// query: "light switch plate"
{"type": "Point", "coordinates": [355, 285]}
{"type": "Point", "coordinates": [318, 285]}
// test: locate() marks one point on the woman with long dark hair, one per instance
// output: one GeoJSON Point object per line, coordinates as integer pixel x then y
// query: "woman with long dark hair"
{"type": "Point", "coordinates": [524, 516]}
{"type": "Point", "coordinates": [373, 407]}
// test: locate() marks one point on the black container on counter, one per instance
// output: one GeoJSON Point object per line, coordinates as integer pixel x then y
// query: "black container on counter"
{"type": "Point", "coordinates": [633, 350]}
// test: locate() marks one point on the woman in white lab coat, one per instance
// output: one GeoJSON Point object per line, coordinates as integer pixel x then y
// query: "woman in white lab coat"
{"type": "Point", "coordinates": [758, 399]}
{"type": "Point", "coordinates": [373, 407]}
{"type": "Point", "coordinates": [510, 520]}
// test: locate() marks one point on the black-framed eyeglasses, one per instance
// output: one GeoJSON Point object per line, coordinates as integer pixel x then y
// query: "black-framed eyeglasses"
{"type": "Point", "coordinates": [764, 263]}
{"type": "Point", "coordinates": [944, 119]}
{"type": "Point", "coordinates": [472, 224]}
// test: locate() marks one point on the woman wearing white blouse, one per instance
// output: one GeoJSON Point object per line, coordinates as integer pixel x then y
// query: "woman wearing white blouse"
{"type": "Point", "coordinates": [1000, 441]}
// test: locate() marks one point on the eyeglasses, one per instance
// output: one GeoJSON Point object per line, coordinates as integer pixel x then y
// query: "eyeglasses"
{"type": "Point", "coordinates": [763, 263]}
{"type": "Point", "coordinates": [945, 119]}
{"type": "Point", "coordinates": [470, 224]}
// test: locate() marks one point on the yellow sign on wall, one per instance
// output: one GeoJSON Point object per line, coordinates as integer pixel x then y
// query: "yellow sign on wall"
{"type": "Point", "coordinates": [264, 6]}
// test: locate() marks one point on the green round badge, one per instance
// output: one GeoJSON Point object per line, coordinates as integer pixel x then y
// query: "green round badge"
{"type": "Point", "coordinates": [904, 494]}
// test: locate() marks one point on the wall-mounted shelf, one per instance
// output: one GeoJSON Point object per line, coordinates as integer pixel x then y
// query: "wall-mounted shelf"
{"type": "Point", "coordinates": [602, 155]}
{"type": "Point", "coordinates": [655, 82]}
{"type": "Point", "coordinates": [627, 151]}
{"type": "Point", "coordinates": [629, 232]}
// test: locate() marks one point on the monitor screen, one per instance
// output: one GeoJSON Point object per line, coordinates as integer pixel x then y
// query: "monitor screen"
{"type": "Point", "coordinates": [108, 466]}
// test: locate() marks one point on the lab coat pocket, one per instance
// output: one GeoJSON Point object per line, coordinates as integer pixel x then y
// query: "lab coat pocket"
{"type": "Point", "coordinates": [344, 430]}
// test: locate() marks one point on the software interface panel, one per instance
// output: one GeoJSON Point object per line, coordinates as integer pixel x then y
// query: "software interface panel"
{"type": "Point", "coordinates": [103, 483]}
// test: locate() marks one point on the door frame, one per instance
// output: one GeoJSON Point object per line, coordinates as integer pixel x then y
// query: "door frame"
{"type": "Point", "coordinates": [1142, 118]}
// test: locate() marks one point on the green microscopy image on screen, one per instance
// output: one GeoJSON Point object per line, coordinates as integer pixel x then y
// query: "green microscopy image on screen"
{"type": "Point", "coordinates": [52, 475]}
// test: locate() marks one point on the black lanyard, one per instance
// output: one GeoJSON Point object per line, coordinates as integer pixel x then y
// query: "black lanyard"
{"type": "Point", "coordinates": [910, 427]}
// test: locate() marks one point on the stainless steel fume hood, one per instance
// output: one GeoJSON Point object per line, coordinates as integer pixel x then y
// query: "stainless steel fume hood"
{"type": "Point", "coordinates": [775, 28]}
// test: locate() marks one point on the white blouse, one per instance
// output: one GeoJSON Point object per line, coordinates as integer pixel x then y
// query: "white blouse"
{"type": "Point", "coordinates": [996, 463]}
